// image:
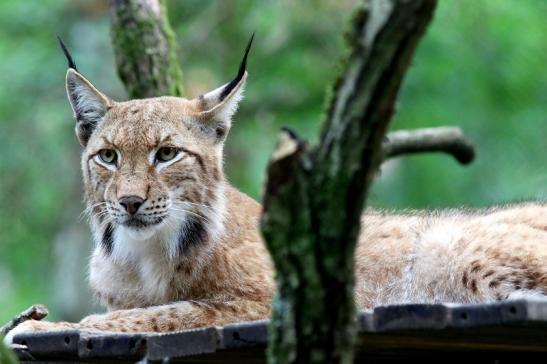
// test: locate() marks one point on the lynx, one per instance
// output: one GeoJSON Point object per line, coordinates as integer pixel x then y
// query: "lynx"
{"type": "Point", "coordinates": [177, 247]}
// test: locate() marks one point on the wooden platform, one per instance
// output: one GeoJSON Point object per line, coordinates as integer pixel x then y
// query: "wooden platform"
{"type": "Point", "coordinates": [508, 331]}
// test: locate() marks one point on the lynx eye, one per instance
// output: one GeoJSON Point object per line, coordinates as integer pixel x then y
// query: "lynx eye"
{"type": "Point", "coordinates": [108, 156]}
{"type": "Point", "coordinates": [165, 154]}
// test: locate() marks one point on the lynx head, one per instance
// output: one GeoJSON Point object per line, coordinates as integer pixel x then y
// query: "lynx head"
{"type": "Point", "coordinates": [152, 168]}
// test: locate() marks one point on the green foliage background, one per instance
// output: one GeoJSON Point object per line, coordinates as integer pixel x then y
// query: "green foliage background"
{"type": "Point", "coordinates": [481, 66]}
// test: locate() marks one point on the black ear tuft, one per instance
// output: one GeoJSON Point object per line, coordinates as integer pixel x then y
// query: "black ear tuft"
{"type": "Point", "coordinates": [229, 87]}
{"type": "Point", "coordinates": [71, 63]}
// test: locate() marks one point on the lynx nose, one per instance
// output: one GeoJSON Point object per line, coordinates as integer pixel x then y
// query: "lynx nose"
{"type": "Point", "coordinates": [131, 203]}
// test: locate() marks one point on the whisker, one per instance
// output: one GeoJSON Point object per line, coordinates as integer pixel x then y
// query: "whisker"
{"type": "Point", "coordinates": [191, 212]}
{"type": "Point", "coordinates": [179, 203]}
{"type": "Point", "coordinates": [89, 209]}
{"type": "Point", "coordinates": [105, 222]}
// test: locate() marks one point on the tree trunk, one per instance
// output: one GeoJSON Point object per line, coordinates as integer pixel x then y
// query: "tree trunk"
{"type": "Point", "coordinates": [145, 48]}
{"type": "Point", "coordinates": [315, 196]}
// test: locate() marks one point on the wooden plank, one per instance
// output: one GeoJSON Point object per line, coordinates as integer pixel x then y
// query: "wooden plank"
{"type": "Point", "coordinates": [181, 344]}
{"type": "Point", "coordinates": [414, 316]}
{"type": "Point", "coordinates": [243, 335]}
{"type": "Point", "coordinates": [479, 339]}
{"type": "Point", "coordinates": [112, 346]}
{"type": "Point", "coordinates": [54, 344]}
{"type": "Point", "coordinates": [365, 321]}
{"type": "Point", "coordinates": [509, 327]}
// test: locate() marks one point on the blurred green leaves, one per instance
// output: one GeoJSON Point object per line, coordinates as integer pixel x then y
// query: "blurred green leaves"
{"type": "Point", "coordinates": [6, 356]}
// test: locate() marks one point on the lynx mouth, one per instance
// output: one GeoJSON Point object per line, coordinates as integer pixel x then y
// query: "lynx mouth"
{"type": "Point", "coordinates": [138, 223]}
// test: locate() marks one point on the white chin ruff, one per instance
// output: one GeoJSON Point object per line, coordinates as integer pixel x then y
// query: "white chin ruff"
{"type": "Point", "coordinates": [139, 234]}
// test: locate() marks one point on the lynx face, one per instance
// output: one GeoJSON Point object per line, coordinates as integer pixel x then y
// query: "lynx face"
{"type": "Point", "coordinates": [152, 168]}
{"type": "Point", "coordinates": [146, 165]}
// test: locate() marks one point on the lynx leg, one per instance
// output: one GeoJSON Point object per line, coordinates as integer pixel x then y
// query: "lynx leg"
{"type": "Point", "coordinates": [172, 317]}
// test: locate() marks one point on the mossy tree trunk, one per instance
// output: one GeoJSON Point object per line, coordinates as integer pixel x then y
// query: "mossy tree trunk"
{"type": "Point", "coordinates": [315, 196]}
{"type": "Point", "coordinates": [145, 48]}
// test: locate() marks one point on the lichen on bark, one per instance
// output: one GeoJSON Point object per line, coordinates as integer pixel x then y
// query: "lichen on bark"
{"type": "Point", "coordinates": [145, 48]}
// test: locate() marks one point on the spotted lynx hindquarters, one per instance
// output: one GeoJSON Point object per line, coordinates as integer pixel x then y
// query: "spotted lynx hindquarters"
{"type": "Point", "coordinates": [177, 247]}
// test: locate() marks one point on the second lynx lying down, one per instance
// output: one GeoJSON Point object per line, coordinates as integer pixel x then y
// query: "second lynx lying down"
{"type": "Point", "coordinates": [177, 247]}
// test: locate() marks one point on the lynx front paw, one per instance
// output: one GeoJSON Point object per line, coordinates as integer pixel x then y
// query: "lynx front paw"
{"type": "Point", "coordinates": [35, 326]}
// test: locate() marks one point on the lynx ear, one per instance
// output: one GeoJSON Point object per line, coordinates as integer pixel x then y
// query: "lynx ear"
{"type": "Point", "coordinates": [88, 103]}
{"type": "Point", "coordinates": [218, 106]}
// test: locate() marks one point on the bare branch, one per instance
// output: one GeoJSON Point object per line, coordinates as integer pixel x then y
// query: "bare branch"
{"type": "Point", "coordinates": [35, 312]}
{"type": "Point", "coordinates": [448, 140]}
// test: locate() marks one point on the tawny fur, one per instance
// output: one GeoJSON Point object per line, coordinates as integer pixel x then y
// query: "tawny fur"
{"type": "Point", "coordinates": [150, 284]}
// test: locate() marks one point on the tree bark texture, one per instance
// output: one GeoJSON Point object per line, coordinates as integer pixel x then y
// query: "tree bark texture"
{"type": "Point", "coordinates": [314, 196]}
{"type": "Point", "coordinates": [145, 48]}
